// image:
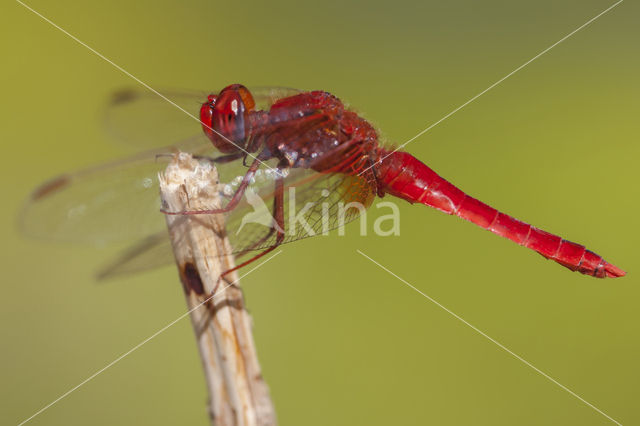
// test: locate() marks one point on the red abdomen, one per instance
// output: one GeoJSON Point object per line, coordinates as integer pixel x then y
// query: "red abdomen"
{"type": "Point", "coordinates": [402, 175]}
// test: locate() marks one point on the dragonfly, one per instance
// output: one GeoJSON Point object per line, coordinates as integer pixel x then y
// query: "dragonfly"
{"type": "Point", "coordinates": [296, 150]}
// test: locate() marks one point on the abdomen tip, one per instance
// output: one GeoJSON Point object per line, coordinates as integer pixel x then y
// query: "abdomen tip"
{"type": "Point", "coordinates": [613, 271]}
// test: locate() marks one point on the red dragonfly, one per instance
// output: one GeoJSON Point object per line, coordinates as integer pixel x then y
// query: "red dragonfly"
{"type": "Point", "coordinates": [264, 142]}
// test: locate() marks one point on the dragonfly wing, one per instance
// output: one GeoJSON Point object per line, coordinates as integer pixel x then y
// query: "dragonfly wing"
{"type": "Point", "coordinates": [117, 201]}
{"type": "Point", "coordinates": [149, 253]}
{"type": "Point", "coordinates": [113, 202]}
{"type": "Point", "coordinates": [314, 204]}
{"type": "Point", "coordinates": [145, 119]}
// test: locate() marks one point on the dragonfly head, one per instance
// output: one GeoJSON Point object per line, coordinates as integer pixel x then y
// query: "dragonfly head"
{"type": "Point", "coordinates": [224, 117]}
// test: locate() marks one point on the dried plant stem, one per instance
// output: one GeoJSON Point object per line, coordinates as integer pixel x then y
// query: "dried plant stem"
{"type": "Point", "coordinates": [238, 396]}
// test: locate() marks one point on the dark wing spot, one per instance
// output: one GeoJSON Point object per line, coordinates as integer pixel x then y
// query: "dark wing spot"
{"type": "Point", "coordinates": [123, 96]}
{"type": "Point", "coordinates": [50, 187]}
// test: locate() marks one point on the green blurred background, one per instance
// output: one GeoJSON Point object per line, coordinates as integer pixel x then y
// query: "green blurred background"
{"type": "Point", "coordinates": [342, 342]}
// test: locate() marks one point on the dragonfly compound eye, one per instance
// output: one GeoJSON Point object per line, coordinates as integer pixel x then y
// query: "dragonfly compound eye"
{"type": "Point", "coordinates": [225, 117]}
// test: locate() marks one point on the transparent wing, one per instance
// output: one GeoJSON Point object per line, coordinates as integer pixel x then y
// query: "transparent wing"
{"type": "Point", "coordinates": [151, 252]}
{"type": "Point", "coordinates": [314, 204]}
{"type": "Point", "coordinates": [113, 202]}
{"type": "Point", "coordinates": [142, 118]}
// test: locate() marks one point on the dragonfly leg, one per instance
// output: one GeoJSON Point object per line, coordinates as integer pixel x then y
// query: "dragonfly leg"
{"type": "Point", "coordinates": [237, 196]}
{"type": "Point", "coordinates": [278, 215]}
{"type": "Point", "coordinates": [278, 202]}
